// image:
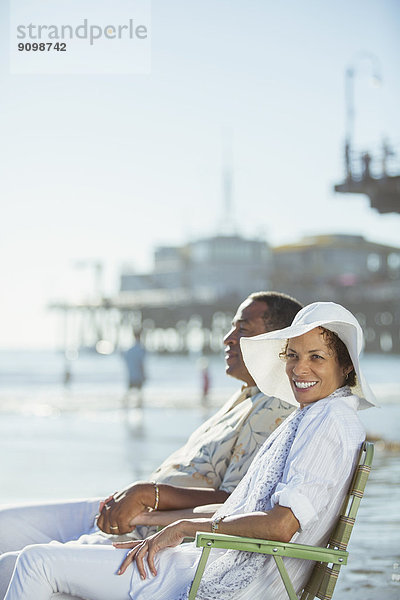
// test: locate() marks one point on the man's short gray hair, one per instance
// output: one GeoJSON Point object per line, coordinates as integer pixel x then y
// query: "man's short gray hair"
{"type": "Point", "coordinates": [281, 310]}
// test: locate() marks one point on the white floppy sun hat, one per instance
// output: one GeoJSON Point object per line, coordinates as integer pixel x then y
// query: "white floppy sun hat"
{"type": "Point", "coordinates": [261, 352]}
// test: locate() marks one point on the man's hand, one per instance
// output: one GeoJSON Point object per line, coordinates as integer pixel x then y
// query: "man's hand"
{"type": "Point", "coordinates": [123, 510]}
{"type": "Point", "coordinates": [119, 509]}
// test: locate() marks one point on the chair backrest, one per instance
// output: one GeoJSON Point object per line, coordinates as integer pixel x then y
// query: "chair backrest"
{"type": "Point", "coordinates": [322, 581]}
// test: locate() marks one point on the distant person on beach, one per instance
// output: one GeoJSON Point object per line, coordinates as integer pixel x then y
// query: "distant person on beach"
{"type": "Point", "coordinates": [292, 491]}
{"type": "Point", "coordinates": [134, 360]}
{"type": "Point", "coordinates": [205, 381]}
{"type": "Point", "coordinates": [209, 466]}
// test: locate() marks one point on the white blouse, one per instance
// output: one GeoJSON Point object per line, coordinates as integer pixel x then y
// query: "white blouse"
{"type": "Point", "coordinates": [315, 480]}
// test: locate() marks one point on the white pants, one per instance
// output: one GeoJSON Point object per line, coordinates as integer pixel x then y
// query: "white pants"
{"type": "Point", "coordinates": [55, 550]}
{"type": "Point", "coordinates": [23, 525]}
{"type": "Point", "coordinates": [89, 571]}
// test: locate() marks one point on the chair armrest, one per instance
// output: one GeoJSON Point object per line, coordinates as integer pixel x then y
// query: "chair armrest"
{"type": "Point", "coordinates": [291, 550]}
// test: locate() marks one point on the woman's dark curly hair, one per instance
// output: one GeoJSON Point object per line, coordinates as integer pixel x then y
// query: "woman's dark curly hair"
{"type": "Point", "coordinates": [339, 348]}
{"type": "Point", "coordinates": [342, 354]}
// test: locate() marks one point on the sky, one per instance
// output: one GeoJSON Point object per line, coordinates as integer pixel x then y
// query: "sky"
{"type": "Point", "coordinates": [104, 167]}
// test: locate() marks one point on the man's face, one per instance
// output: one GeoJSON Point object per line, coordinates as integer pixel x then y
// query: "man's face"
{"type": "Point", "coordinates": [247, 322]}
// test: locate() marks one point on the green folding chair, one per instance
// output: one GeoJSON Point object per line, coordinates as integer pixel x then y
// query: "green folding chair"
{"type": "Point", "coordinates": [329, 560]}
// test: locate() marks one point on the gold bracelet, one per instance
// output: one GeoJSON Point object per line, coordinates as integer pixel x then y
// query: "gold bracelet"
{"type": "Point", "coordinates": [157, 500]}
{"type": "Point", "coordinates": [216, 523]}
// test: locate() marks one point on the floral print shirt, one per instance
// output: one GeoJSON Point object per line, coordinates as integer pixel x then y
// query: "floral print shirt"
{"type": "Point", "coordinates": [218, 453]}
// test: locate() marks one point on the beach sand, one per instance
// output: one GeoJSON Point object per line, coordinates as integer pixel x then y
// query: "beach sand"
{"type": "Point", "coordinates": [88, 453]}
{"type": "Point", "coordinates": [78, 442]}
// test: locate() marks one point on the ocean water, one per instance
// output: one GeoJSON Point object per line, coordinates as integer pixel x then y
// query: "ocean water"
{"type": "Point", "coordinates": [78, 441]}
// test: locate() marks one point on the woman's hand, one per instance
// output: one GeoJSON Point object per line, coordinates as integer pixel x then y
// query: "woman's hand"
{"type": "Point", "coordinates": [169, 537]}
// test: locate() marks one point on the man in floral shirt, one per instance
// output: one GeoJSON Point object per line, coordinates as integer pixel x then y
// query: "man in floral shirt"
{"type": "Point", "coordinates": [218, 453]}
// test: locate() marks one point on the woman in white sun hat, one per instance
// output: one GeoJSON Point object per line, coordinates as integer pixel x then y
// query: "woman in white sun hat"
{"type": "Point", "coordinates": [293, 490]}
{"type": "Point", "coordinates": [262, 353]}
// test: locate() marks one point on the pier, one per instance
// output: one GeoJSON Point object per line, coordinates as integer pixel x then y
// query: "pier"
{"type": "Point", "coordinates": [189, 306]}
{"type": "Point", "coordinates": [374, 174]}
{"type": "Point", "coordinates": [368, 174]}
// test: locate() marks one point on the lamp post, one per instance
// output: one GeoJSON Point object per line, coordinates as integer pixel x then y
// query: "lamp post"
{"type": "Point", "coordinates": [349, 98]}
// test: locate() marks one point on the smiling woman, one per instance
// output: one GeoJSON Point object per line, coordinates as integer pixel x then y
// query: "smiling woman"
{"type": "Point", "coordinates": [314, 367]}
{"type": "Point", "coordinates": [321, 333]}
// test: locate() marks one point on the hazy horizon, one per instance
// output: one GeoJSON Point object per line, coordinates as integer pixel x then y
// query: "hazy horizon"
{"type": "Point", "coordinates": [105, 167]}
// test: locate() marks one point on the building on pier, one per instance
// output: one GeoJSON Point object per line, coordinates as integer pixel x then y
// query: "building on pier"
{"type": "Point", "coordinates": [361, 275]}
{"type": "Point", "coordinates": [208, 269]}
{"type": "Point", "coordinates": [187, 301]}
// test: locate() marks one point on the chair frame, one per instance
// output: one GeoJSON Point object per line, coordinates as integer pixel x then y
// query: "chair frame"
{"type": "Point", "coordinates": [323, 578]}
